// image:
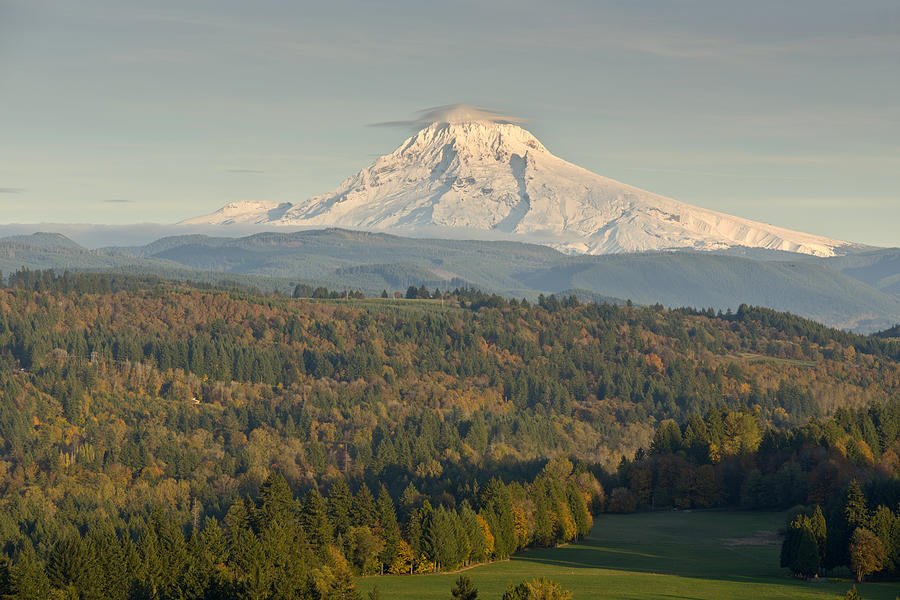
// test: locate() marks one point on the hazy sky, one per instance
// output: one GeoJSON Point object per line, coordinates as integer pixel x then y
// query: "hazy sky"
{"type": "Point", "coordinates": [119, 112]}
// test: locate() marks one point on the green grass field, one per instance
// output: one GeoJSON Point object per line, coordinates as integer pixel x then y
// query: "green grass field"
{"type": "Point", "coordinates": [689, 555]}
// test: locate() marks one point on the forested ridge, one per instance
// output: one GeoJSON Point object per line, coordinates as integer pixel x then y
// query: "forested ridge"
{"type": "Point", "coordinates": [226, 442]}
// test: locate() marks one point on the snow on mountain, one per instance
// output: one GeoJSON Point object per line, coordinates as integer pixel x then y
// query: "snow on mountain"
{"type": "Point", "coordinates": [247, 212]}
{"type": "Point", "coordinates": [462, 175]}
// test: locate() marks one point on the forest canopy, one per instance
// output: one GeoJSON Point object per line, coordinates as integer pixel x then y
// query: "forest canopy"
{"type": "Point", "coordinates": [203, 431]}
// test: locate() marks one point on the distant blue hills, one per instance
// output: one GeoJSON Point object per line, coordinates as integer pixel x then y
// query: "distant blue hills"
{"type": "Point", "coordinates": [859, 291]}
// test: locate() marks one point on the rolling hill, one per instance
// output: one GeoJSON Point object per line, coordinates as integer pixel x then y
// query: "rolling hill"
{"type": "Point", "coordinates": [836, 291]}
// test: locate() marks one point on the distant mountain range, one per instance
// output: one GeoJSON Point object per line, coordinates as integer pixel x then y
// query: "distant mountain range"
{"type": "Point", "coordinates": [462, 176]}
{"type": "Point", "coordinates": [859, 291]}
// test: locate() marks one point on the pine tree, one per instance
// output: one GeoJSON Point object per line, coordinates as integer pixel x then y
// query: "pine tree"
{"type": "Point", "coordinates": [578, 506]}
{"type": "Point", "coordinates": [464, 589]}
{"type": "Point", "coordinates": [852, 594]}
{"type": "Point", "coordinates": [790, 544]}
{"type": "Point", "coordinates": [409, 500]}
{"type": "Point", "coordinates": [363, 511]}
{"type": "Point", "coordinates": [471, 527]}
{"type": "Point", "coordinates": [442, 542]}
{"type": "Point", "coordinates": [214, 544]}
{"type": "Point", "coordinates": [239, 517]}
{"type": "Point", "coordinates": [388, 528]}
{"type": "Point", "coordinates": [819, 530]}
{"type": "Point", "coordinates": [276, 500]}
{"type": "Point", "coordinates": [855, 509]}
{"type": "Point", "coordinates": [314, 518]}
{"type": "Point", "coordinates": [428, 536]}
{"type": "Point", "coordinates": [340, 504]}
{"type": "Point", "coordinates": [497, 509]}
{"type": "Point", "coordinates": [72, 563]}
{"type": "Point", "coordinates": [806, 562]}
{"type": "Point", "coordinates": [112, 577]}
{"type": "Point", "coordinates": [334, 579]}
{"type": "Point", "coordinates": [838, 539]}
{"type": "Point", "coordinates": [27, 578]}
{"type": "Point", "coordinates": [886, 525]}
{"type": "Point", "coordinates": [5, 582]}
{"type": "Point", "coordinates": [173, 551]}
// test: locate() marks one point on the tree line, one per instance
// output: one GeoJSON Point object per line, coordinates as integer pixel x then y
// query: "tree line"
{"type": "Point", "coordinates": [840, 477]}
{"type": "Point", "coordinates": [276, 545]}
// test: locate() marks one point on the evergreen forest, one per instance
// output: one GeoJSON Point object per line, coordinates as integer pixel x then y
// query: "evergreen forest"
{"type": "Point", "coordinates": [175, 440]}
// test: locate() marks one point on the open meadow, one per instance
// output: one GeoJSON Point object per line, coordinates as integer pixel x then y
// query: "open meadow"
{"type": "Point", "coordinates": [650, 556]}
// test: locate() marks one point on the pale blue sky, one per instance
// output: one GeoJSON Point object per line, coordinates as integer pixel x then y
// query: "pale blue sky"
{"type": "Point", "coordinates": [121, 112]}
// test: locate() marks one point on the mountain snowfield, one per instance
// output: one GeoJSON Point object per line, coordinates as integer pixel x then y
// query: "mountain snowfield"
{"type": "Point", "coordinates": [458, 177]}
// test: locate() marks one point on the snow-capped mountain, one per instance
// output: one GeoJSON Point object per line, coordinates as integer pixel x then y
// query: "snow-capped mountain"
{"type": "Point", "coordinates": [460, 176]}
{"type": "Point", "coordinates": [250, 212]}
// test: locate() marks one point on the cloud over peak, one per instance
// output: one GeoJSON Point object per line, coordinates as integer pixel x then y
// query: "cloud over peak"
{"type": "Point", "coordinates": [454, 113]}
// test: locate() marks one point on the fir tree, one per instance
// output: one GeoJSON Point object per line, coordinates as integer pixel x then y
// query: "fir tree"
{"type": "Point", "coordinates": [339, 507]}
{"type": "Point", "coordinates": [363, 511]}
{"type": "Point", "coordinates": [277, 501]}
{"type": "Point", "coordinates": [314, 518]}
{"type": "Point", "coordinates": [27, 578]}
{"type": "Point", "coordinates": [855, 510]}
{"type": "Point", "coordinates": [806, 561]}
{"type": "Point", "coordinates": [464, 589]}
{"type": "Point", "coordinates": [388, 528]}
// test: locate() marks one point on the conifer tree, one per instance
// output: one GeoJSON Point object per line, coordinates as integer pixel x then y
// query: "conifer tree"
{"type": "Point", "coordinates": [818, 528]}
{"type": "Point", "coordinates": [855, 510]}
{"type": "Point", "coordinates": [498, 511]}
{"type": "Point", "coordinates": [5, 582]}
{"type": "Point", "coordinates": [578, 507]}
{"type": "Point", "coordinates": [463, 589]}
{"type": "Point", "coordinates": [475, 545]}
{"type": "Point", "coordinates": [806, 561]}
{"type": "Point", "coordinates": [27, 577]}
{"type": "Point", "coordinates": [340, 504]}
{"type": "Point", "coordinates": [409, 500]}
{"type": "Point", "coordinates": [334, 579]}
{"type": "Point", "coordinates": [852, 594]}
{"type": "Point", "coordinates": [314, 519]}
{"type": "Point", "coordinates": [790, 544]}
{"type": "Point", "coordinates": [387, 527]}
{"type": "Point", "coordinates": [363, 512]}
{"type": "Point", "coordinates": [72, 564]}
{"type": "Point", "coordinates": [276, 500]}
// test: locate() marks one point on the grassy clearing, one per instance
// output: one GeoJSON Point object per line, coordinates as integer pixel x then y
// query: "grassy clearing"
{"type": "Point", "coordinates": [653, 556]}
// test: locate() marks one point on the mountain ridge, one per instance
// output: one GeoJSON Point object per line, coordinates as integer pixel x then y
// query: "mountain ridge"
{"type": "Point", "coordinates": [835, 291]}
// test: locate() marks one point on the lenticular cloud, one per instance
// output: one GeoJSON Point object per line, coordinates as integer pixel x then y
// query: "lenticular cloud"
{"type": "Point", "coordinates": [454, 113]}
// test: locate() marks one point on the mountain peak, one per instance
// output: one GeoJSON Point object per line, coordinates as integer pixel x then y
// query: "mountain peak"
{"type": "Point", "coordinates": [483, 138]}
{"type": "Point", "coordinates": [471, 170]}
